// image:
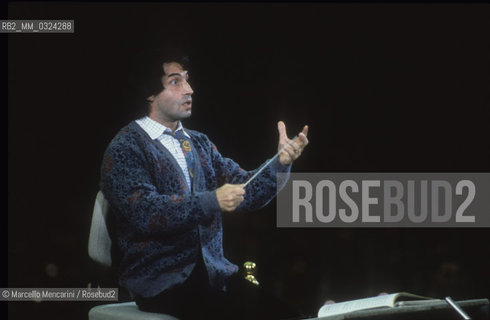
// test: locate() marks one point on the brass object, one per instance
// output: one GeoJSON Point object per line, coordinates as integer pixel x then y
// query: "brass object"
{"type": "Point", "coordinates": [249, 267]}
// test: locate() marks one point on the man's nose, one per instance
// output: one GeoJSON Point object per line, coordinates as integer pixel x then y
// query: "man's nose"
{"type": "Point", "coordinates": [188, 88]}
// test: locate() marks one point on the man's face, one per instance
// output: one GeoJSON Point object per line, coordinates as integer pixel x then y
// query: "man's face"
{"type": "Point", "coordinates": [174, 102]}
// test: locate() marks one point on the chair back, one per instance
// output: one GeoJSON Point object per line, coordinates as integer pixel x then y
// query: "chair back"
{"type": "Point", "coordinates": [99, 249]}
{"type": "Point", "coordinates": [99, 241]}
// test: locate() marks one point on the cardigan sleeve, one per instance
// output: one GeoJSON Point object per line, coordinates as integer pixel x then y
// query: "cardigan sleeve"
{"type": "Point", "coordinates": [260, 191]}
{"type": "Point", "coordinates": [127, 184]}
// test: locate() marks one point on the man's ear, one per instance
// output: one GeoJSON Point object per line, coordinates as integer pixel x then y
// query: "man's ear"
{"type": "Point", "coordinates": [151, 98]}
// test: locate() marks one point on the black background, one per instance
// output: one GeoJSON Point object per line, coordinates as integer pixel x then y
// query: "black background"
{"type": "Point", "coordinates": [383, 87]}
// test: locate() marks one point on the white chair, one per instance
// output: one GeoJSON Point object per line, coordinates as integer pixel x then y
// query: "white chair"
{"type": "Point", "coordinates": [99, 249]}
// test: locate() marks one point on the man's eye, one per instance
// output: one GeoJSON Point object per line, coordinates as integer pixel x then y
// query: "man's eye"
{"type": "Point", "coordinates": [174, 82]}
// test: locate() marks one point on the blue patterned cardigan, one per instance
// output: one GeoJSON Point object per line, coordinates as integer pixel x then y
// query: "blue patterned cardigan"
{"type": "Point", "coordinates": [160, 222]}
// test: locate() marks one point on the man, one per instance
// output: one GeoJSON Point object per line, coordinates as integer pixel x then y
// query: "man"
{"type": "Point", "coordinates": [168, 187]}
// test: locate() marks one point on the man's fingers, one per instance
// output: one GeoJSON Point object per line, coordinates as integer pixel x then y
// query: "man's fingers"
{"type": "Point", "coordinates": [237, 190]}
{"type": "Point", "coordinates": [303, 136]}
{"type": "Point", "coordinates": [283, 137]}
{"type": "Point", "coordinates": [230, 196]}
{"type": "Point", "coordinates": [234, 188]}
{"type": "Point", "coordinates": [304, 139]}
{"type": "Point", "coordinates": [238, 193]}
{"type": "Point", "coordinates": [294, 150]}
{"type": "Point", "coordinates": [281, 127]}
{"type": "Point", "coordinates": [305, 130]}
{"type": "Point", "coordinates": [296, 146]}
{"type": "Point", "coordinates": [291, 151]}
{"type": "Point", "coordinates": [233, 204]}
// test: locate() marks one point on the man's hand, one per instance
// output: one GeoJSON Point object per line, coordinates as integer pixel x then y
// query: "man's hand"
{"type": "Point", "coordinates": [294, 150]}
{"type": "Point", "coordinates": [230, 196]}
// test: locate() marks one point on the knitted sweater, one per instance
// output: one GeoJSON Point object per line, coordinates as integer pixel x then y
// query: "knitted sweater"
{"type": "Point", "coordinates": [161, 225]}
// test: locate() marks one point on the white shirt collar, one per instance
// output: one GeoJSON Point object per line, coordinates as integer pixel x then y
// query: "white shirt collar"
{"type": "Point", "coordinates": [156, 129]}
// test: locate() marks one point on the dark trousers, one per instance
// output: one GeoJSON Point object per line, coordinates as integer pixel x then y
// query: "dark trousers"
{"type": "Point", "coordinates": [195, 299]}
